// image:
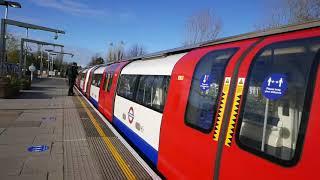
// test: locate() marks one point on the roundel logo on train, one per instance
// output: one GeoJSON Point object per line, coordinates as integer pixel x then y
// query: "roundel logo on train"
{"type": "Point", "coordinates": [130, 115]}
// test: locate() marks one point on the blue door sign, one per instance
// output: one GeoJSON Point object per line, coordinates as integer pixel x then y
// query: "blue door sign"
{"type": "Point", "coordinates": [205, 82]}
{"type": "Point", "coordinates": [38, 148]}
{"type": "Point", "coordinates": [274, 86]}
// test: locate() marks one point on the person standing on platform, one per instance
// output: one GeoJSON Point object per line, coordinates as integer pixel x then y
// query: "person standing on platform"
{"type": "Point", "coordinates": [72, 73]}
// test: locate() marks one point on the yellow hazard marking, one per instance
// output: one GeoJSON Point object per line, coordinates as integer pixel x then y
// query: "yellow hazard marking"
{"type": "Point", "coordinates": [234, 111]}
{"type": "Point", "coordinates": [124, 167]}
{"type": "Point", "coordinates": [222, 105]}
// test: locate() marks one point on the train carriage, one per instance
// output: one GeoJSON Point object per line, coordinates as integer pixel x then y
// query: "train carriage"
{"type": "Point", "coordinates": [243, 107]}
{"type": "Point", "coordinates": [108, 88]}
{"type": "Point", "coordinates": [79, 78]}
{"type": "Point", "coordinates": [90, 79]}
{"type": "Point", "coordinates": [95, 85]}
{"type": "Point", "coordinates": [82, 79]}
{"type": "Point", "coordinates": [140, 100]}
{"type": "Point", "coordinates": [87, 79]}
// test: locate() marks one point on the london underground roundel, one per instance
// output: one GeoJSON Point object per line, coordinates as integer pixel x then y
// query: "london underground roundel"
{"type": "Point", "coordinates": [130, 115]}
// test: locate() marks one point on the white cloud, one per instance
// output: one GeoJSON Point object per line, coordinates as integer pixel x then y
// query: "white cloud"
{"type": "Point", "coordinates": [70, 6]}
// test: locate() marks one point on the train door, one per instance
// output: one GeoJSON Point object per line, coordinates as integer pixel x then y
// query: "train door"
{"type": "Point", "coordinates": [105, 93]}
{"type": "Point", "coordinates": [108, 88]}
{"type": "Point", "coordinates": [196, 97]}
{"type": "Point", "coordinates": [272, 128]}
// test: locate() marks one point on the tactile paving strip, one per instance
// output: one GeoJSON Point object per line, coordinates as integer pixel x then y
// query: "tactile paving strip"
{"type": "Point", "coordinates": [108, 164]}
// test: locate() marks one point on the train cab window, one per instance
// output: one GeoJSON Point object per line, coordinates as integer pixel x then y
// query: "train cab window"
{"type": "Point", "coordinates": [110, 82]}
{"type": "Point", "coordinates": [205, 87]}
{"type": "Point", "coordinates": [277, 100]}
{"type": "Point", "coordinates": [152, 91]}
{"type": "Point", "coordinates": [127, 85]}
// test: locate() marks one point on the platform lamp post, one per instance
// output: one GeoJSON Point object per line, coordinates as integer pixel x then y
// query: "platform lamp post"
{"type": "Point", "coordinates": [11, 4]}
{"type": "Point", "coordinates": [7, 4]}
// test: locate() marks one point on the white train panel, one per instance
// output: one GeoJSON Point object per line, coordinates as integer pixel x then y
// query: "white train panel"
{"type": "Point", "coordinates": [156, 66]}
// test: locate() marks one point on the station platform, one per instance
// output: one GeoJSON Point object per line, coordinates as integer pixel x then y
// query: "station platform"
{"type": "Point", "coordinates": [47, 135]}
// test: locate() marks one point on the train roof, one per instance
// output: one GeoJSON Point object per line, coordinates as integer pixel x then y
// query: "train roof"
{"type": "Point", "coordinates": [156, 66]}
{"type": "Point", "coordinates": [100, 69]}
{"type": "Point", "coordinates": [256, 34]}
{"type": "Point", "coordinates": [250, 35]}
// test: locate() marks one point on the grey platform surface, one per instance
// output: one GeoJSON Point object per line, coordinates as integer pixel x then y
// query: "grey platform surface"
{"type": "Point", "coordinates": [44, 116]}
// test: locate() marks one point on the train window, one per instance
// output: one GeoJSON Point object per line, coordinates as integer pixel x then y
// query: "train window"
{"type": "Point", "coordinates": [93, 82]}
{"type": "Point", "coordinates": [106, 82]}
{"type": "Point", "coordinates": [110, 82]}
{"type": "Point", "coordinates": [127, 85]}
{"type": "Point", "coordinates": [152, 91]}
{"type": "Point", "coordinates": [96, 78]}
{"type": "Point", "coordinates": [276, 104]}
{"type": "Point", "coordinates": [205, 87]}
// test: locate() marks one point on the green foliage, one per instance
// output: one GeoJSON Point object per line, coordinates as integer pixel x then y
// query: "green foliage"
{"type": "Point", "coordinates": [14, 82]}
{"type": "Point", "coordinates": [13, 49]}
{"type": "Point", "coordinates": [95, 60]}
{"type": "Point", "coordinates": [25, 83]}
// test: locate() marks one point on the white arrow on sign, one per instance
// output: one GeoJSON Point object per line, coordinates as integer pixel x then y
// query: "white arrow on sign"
{"type": "Point", "coordinates": [269, 81]}
{"type": "Point", "coordinates": [280, 82]}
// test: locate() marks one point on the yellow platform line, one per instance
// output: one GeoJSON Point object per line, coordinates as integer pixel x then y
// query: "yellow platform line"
{"type": "Point", "coordinates": [123, 165]}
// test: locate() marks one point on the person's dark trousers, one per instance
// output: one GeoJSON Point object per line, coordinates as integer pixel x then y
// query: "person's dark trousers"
{"type": "Point", "coordinates": [71, 84]}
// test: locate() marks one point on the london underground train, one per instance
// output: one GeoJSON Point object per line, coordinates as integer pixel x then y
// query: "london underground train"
{"type": "Point", "coordinates": [95, 85]}
{"type": "Point", "coordinates": [244, 107]}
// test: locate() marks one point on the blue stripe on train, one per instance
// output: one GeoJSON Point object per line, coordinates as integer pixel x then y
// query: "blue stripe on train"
{"type": "Point", "coordinates": [146, 148]}
{"type": "Point", "coordinates": [94, 102]}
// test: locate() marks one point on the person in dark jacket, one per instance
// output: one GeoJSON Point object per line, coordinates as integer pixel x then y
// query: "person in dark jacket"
{"type": "Point", "coordinates": [72, 73]}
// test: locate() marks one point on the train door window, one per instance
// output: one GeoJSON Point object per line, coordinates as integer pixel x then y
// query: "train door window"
{"type": "Point", "coordinates": [106, 82]}
{"type": "Point", "coordinates": [205, 87]}
{"type": "Point", "coordinates": [127, 85]}
{"type": "Point", "coordinates": [159, 91]}
{"type": "Point", "coordinates": [110, 82]}
{"type": "Point", "coordinates": [275, 111]}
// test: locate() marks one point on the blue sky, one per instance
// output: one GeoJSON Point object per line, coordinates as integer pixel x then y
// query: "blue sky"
{"type": "Point", "coordinates": [91, 25]}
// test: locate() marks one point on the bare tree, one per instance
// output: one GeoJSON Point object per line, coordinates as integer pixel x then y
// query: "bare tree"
{"type": "Point", "coordinates": [136, 50]}
{"type": "Point", "coordinates": [289, 12]}
{"type": "Point", "coordinates": [202, 26]}
{"type": "Point", "coordinates": [303, 10]}
{"type": "Point", "coordinates": [115, 52]}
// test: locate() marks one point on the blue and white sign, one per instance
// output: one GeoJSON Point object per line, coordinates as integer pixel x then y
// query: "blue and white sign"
{"type": "Point", "coordinates": [274, 86]}
{"type": "Point", "coordinates": [40, 148]}
{"type": "Point", "coordinates": [205, 82]}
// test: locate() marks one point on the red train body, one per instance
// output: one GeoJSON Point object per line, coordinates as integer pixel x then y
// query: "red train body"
{"type": "Point", "coordinates": [244, 107]}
